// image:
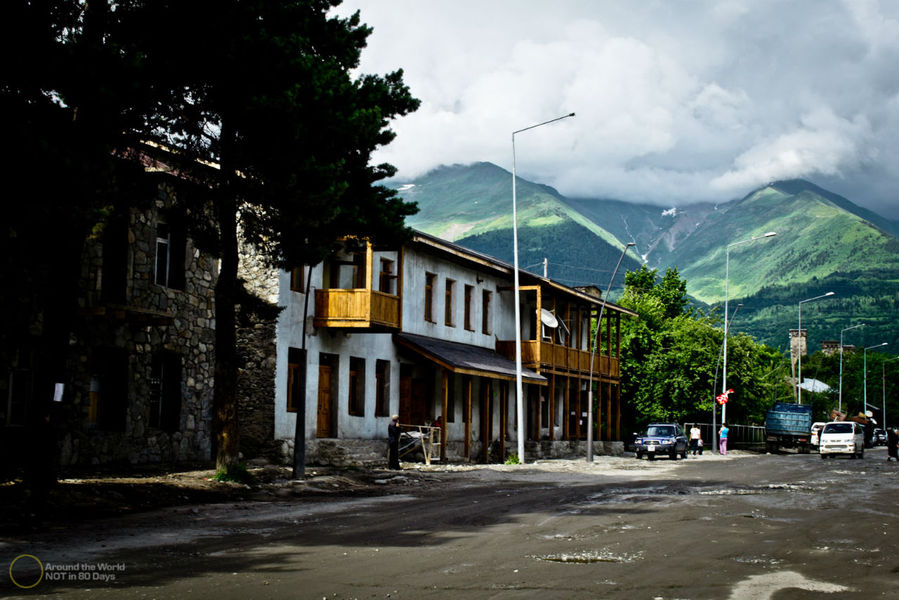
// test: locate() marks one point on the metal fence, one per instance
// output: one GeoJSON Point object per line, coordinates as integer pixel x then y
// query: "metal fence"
{"type": "Point", "coordinates": [737, 435]}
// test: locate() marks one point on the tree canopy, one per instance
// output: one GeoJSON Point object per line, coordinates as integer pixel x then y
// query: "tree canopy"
{"type": "Point", "coordinates": [670, 357]}
{"type": "Point", "coordinates": [255, 102]}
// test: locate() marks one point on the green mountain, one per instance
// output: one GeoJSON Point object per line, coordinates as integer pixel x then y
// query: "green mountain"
{"type": "Point", "coordinates": [824, 243]}
{"type": "Point", "coordinates": [472, 206]}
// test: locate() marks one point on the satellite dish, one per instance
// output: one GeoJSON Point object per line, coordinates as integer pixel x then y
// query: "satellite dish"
{"type": "Point", "coordinates": [548, 318]}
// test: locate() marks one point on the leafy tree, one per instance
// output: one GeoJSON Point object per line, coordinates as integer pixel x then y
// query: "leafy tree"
{"type": "Point", "coordinates": [265, 89]}
{"type": "Point", "coordinates": [669, 357]}
{"type": "Point", "coordinates": [71, 98]}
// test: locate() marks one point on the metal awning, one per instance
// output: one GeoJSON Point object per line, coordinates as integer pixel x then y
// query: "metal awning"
{"type": "Point", "coordinates": [466, 359]}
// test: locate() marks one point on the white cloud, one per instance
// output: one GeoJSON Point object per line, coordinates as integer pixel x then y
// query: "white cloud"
{"type": "Point", "coordinates": [675, 102]}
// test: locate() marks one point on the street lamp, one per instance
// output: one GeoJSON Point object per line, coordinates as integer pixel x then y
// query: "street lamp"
{"type": "Point", "coordinates": [799, 344]}
{"type": "Point", "coordinates": [840, 406]}
{"type": "Point", "coordinates": [726, 284]}
{"type": "Point", "coordinates": [518, 386]}
{"type": "Point", "coordinates": [866, 370]}
{"type": "Point", "coordinates": [715, 382]}
{"type": "Point", "coordinates": [605, 299]}
{"type": "Point", "coordinates": [883, 387]}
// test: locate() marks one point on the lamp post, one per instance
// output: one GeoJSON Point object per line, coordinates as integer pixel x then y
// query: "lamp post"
{"type": "Point", "coordinates": [840, 405]}
{"type": "Point", "coordinates": [883, 388]}
{"type": "Point", "coordinates": [518, 386]}
{"type": "Point", "coordinates": [715, 383]}
{"type": "Point", "coordinates": [726, 294]}
{"type": "Point", "coordinates": [593, 354]}
{"type": "Point", "coordinates": [799, 345]}
{"type": "Point", "coordinates": [866, 370]}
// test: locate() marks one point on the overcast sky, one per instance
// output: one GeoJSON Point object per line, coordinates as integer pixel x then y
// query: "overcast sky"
{"type": "Point", "coordinates": [675, 101]}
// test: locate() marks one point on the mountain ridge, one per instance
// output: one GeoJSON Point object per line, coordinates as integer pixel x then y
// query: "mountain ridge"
{"type": "Point", "coordinates": [822, 239]}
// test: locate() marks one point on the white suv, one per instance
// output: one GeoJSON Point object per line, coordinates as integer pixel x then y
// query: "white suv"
{"type": "Point", "coordinates": [842, 437]}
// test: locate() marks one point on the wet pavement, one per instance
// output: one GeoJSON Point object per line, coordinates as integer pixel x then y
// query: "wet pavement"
{"type": "Point", "coordinates": [745, 526]}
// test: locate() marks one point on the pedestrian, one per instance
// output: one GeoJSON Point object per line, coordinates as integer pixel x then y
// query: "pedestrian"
{"type": "Point", "coordinates": [393, 443]}
{"type": "Point", "coordinates": [722, 439]}
{"type": "Point", "coordinates": [892, 444]}
{"type": "Point", "coordinates": [695, 439]}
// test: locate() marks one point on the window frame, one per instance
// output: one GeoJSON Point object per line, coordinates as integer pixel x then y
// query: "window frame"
{"type": "Point", "coordinates": [430, 280]}
{"type": "Point", "coordinates": [356, 389]}
{"type": "Point", "coordinates": [469, 308]}
{"type": "Point", "coordinates": [382, 388]}
{"type": "Point", "coordinates": [486, 307]}
{"type": "Point", "coordinates": [449, 291]}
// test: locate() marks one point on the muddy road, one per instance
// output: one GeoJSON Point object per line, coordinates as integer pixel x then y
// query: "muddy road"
{"type": "Point", "coordinates": [745, 526]}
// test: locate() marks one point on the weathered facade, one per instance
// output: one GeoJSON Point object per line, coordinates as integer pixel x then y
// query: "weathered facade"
{"type": "Point", "coordinates": [427, 331]}
{"type": "Point", "coordinates": [140, 358]}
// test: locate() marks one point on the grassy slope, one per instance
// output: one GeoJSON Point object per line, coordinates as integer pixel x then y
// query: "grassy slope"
{"type": "Point", "coordinates": [815, 239]}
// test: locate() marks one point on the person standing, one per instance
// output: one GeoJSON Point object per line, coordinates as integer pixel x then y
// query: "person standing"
{"type": "Point", "coordinates": [722, 439]}
{"type": "Point", "coordinates": [892, 444]}
{"type": "Point", "coordinates": [393, 443]}
{"type": "Point", "coordinates": [695, 438]}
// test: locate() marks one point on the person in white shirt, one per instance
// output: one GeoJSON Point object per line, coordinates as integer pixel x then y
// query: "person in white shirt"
{"type": "Point", "coordinates": [695, 439]}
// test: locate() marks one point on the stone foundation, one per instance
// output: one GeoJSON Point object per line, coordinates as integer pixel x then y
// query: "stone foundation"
{"type": "Point", "coordinates": [373, 453]}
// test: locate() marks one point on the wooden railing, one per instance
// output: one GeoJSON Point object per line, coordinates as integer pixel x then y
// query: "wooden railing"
{"type": "Point", "coordinates": [546, 356]}
{"type": "Point", "coordinates": [357, 308]}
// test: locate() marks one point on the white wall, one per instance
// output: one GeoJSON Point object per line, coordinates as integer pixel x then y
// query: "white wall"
{"type": "Point", "coordinates": [379, 346]}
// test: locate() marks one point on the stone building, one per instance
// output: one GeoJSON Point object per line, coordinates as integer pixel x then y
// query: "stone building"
{"type": "Point", "coordinates": [140, 359]}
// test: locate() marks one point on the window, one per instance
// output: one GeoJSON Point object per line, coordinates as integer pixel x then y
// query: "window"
{"type": "Point", "coordinates": [386, 278]}
{"type": "Point", "coordinates": [170, 248]}
{"type": "Point", "coordinates": [430, 278]}
{"type": "Point", "coordinates": [486, 297]}
{"type": "Point", "coordinates": [359, 270]}
{"type": "Point", "coordinates": [115, 261]}
{"type": "Point", "coordinates": [165, 391]}
{"type": "Point", "coordinates": [469, 294]}
{"type": "Point", "coordinates": [298, 279]}
{"type": "Point", "coordinates": [109, 389]}
{"type": "Point", "coordinates": [296, 378]}
{"type": "Point", "coordinates": [448, 303]}
{"type": "Point", "coordinates": [382, 381]}
{"type": "Point", "coordinates": [357, 387]}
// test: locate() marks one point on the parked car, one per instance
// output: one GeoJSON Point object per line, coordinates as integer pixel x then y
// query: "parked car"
{"type": "Point", "coordinates": [661, 438]}
{"type": "Point", "coordinates": [879, 437]}
{"type": "Point", "coordinates": [842, 437]}
{"type": "Point", "coordinates": [816, 433]}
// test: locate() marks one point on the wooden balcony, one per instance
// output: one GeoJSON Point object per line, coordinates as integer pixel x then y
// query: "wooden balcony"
{"type": "Point", "coordinates": [545, 357]}
{"type": "Point", "coordinates": [356, 309]}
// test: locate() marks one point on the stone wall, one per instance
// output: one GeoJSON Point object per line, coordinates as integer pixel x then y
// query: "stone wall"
{"type": "Point", "coordinates": [373, 453]}
{"type": "Point", "coordinates": [256, 390]}
{"type": "Point", "coordinates": [153, 318]}
{"type": "Point", "coordinates": [258, 355]}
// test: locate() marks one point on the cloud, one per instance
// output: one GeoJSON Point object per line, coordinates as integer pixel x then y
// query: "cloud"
{"type": "Point", "coordinates": [675, 102]}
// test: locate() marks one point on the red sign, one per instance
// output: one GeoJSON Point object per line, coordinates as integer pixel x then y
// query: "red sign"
{"type": "Point", "coordinates": [722, 398]}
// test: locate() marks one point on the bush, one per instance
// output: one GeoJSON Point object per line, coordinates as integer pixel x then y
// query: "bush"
{"type": "Point", "coordinates": [237, 473]}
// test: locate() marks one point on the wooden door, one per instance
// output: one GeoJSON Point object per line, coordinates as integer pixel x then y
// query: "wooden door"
{"type": "Point", "coordinates": [405, 396]}
{"type": "Point", "coordinates": [324, 427]}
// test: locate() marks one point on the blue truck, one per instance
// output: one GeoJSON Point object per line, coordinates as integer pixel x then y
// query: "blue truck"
{"type": "Point", "coordinates": [788, 425]}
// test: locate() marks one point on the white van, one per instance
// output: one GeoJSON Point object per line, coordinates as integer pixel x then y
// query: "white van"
{"type": "Point", "coordinates": [842, 437]}
{"type": "Point", "coordinates": [817, 426]}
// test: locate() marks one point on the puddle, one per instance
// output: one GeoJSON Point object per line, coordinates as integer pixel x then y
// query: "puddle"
{"type": "Point", "coordinates": [589, 556]}
{"type": "Point", "coordinates": [758, 560]}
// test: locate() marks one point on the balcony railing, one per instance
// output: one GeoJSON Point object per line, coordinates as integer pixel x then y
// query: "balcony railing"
{"type": "Point", "coordinates": [548, 357]}
{"type": "Point", "coordinates": [356, 308]}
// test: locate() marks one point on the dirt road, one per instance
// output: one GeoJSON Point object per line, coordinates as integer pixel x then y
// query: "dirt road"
{"type": "Point", "coordinates": [744, 526]}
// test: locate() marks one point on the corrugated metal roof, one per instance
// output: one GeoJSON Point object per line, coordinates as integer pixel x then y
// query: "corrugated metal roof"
{"type": "Point", "coordinates": [466, 359]}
